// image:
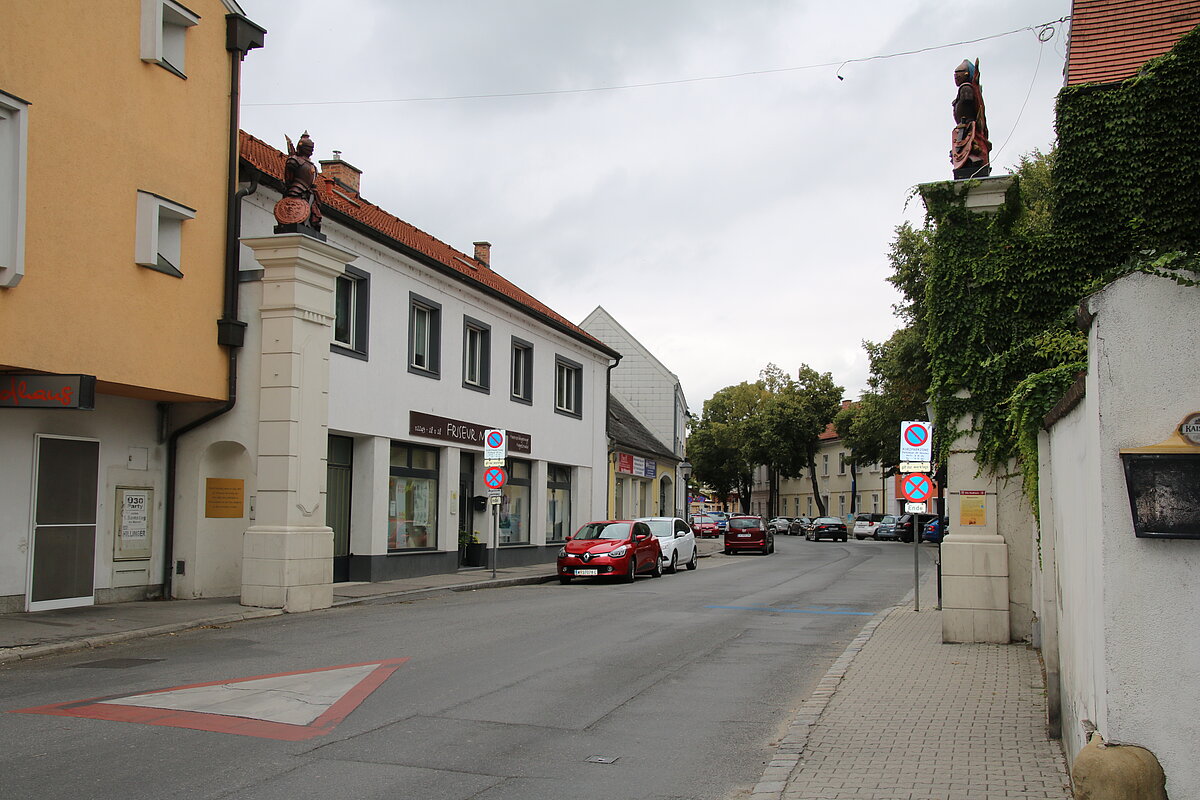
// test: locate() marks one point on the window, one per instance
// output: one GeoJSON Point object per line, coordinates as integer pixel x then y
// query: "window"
{"type": "Point", "coordinates": [842, 462]}
{"type": "Point", "coordinates": [351, 304]}
{"type": "Point", "coordinates": [568, 387]}
{"type": "Point", "coordinates": [809, 507]}
{"type": "Point", "coordinates": [424, 336]}
{"type": "Point", "coordinates": [159, 241]}
{"type": "Point", "coordinates": [477, 355]}
{"type": "Point", "coordinates": [514, 504]}
{"type": "Point", "coordinates": [825, 462]}
{"type": "Point", "coordinates": [14, 134]}
{"type": "Point", "coordinates": [412, 498]}
{"type": "Point", "coordinates": [875, 503]}
{"type": "Point", "coordinates": [522, 371]}
{"type": "Point", "coordinates": [841, 505]}
{"type": "Point", "coordinates": [164, 33]}
{"type": "Point", "coordinates": [558, 500]}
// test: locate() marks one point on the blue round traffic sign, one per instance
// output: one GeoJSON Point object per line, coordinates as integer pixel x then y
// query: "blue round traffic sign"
{"type": "Point", "coordinates": [916, 488]}
{"type": "Point", "coordinates": [495, 477]}
{"type": "Point", "coordinates": [916, 435]}
{"type": "Point", "coordinates": [495, 439]}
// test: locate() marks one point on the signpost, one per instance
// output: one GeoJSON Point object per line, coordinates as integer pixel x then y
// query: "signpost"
{"type": "Point", "coordinates": [494, 478]}
{"type": "Point", "coordinates": [916, 445]}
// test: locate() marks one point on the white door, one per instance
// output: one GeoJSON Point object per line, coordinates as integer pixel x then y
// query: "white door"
{"type": "Point", "coordinates": [62, 555]}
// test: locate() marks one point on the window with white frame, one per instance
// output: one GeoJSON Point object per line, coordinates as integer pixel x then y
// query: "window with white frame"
{"type": "Point", "coordinates": [825, 464]}
{"type": "Point", "coordinates": [522, 371]}
{"type": "Point", "coordinates": [841, 505]}
{"type": "Point", "coordinates": [477, 354]}
{"type": "Point", "coordinates": [159, 239]}
{"type": "Point", "coordinates": [14, 133]}
{"type": "Point", "coordinates": [424, 336]}
{"type": "Point", "coordinates": [351, 311]}
{"type": "Point", "coordinates": [841, 462]}
{"type": "Point", "coordinates": [568, 387]}
{"type": "Point", "coordinates": [875, 503]}
{"type": "Point", "coordinates": [164, 33]}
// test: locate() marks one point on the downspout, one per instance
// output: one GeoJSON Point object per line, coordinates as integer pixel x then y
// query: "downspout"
{"type": "Point", "coordinates": [241, 36]}
{"type": "Point", "coordinates": [610, 461]}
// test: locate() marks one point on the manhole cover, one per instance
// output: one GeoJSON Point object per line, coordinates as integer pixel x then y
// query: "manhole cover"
{"type": "Point", "coordinates": [117, 663]}
{"type": "Point", "coordinates": [603, 759]}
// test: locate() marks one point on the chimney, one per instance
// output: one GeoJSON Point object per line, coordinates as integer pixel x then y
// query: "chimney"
{"type": "Point", "coordinates": [483, 253]}
{"type": "Point", "coordinates": [343, 173]}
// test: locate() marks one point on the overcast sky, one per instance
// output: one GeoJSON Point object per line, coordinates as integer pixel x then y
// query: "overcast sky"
{"type": "Point", "coordinates": [726, 222]}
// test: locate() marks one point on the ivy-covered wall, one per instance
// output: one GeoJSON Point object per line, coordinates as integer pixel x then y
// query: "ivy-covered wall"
{"type": "Point", "coordinates": [1121, 192]}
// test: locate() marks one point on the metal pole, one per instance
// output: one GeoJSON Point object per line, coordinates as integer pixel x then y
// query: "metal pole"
{"type": "Point", "coordinates": [494, 535]}
{"type": "Point", "coordinates": [916, 565]}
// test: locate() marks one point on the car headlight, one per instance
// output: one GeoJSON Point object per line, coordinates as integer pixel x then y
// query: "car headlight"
{"type": "Point", "coordinates": [617, 552]}
{"type": "Point", "coordinates": [562, 552]}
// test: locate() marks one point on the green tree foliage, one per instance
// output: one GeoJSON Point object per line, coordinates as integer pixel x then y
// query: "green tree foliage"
{"type": "Point", "coordinates": [722, 443]}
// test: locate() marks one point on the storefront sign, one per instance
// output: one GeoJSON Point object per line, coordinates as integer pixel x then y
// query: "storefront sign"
{"type": "Point", "coordinates": [451, 430]}
{"type": "Point", "coordinates": [972, 508]}
{"type": "Point", "coordinates": [47, 391]}
{"type": "Point", "coordinates": [224, 498]}
{"type": "Point", "coordinates": [637, 465]}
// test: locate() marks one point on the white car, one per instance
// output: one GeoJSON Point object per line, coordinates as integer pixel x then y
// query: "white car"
{"type": "Point", "coordinates": [866, 524]}
{"type": "Point", "coordinates": [677, 541]}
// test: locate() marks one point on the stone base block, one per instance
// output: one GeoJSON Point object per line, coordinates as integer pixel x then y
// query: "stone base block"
{"type": "Point", "coordinates": [974, 554]}
{"type": "Point", "coordinates": [970, 626]}
{"type": "Point", "coordinates": [974, 592]}
{"type": "Point", "coordinates": [287, 567]}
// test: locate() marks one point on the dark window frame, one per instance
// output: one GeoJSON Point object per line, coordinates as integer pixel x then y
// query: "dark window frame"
{"type": "Point", "coordinates": [576, 370]}
{"type": "Point", "coordinates": [484, 385]}
{"type": "Point", "coordinates": [360, 301]}
{"type": "Point", "coordinates": [433, 311]}
{"type": "Point", "coordinates": [526, 371]}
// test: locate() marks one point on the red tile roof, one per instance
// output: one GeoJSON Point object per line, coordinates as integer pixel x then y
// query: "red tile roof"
{"type": "Point", "coordinates": [270, 161]}
{"type": "Point", "coordinates": [1112, 39]}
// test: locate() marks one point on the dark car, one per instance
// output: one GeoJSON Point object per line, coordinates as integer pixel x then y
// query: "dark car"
{"type": "Point", "coordinates": [934, 530]}
{"type": "Point", "coordinates": [749, 533]}
{"type": "Point", "coordinates": [827, 528]}
{"type": "Point", "coordinates": [611, 548]}
{"type": "Point", "coordinates": [799, 526]}
{"type": "Point", "coordinates": [905, 525]}
{"type": "Point", "coordinates": [886, 532]}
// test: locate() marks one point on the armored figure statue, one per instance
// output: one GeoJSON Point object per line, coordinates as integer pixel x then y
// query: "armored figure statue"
{"type": "Point", "coordinates": [970, 150]}
{"type": "Point", "coordinates": [299, 203]}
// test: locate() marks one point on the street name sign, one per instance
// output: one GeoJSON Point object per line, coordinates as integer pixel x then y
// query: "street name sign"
{"type": "Point", "coordinates": [916, 441]}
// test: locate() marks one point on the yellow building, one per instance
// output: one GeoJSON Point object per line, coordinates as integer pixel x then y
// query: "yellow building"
{"type": "Point", "coordinates": [116, 183]}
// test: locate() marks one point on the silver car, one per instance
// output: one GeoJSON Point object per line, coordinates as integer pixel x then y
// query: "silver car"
{"type": "Point", "coordinates": [779, 525]}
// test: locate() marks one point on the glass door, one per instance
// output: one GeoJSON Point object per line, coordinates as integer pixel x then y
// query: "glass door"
{"type": "Point", "coordinates": [63, 556]}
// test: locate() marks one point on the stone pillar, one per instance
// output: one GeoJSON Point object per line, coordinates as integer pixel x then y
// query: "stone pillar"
{"type": "Point", "coordinates": [287, 555]}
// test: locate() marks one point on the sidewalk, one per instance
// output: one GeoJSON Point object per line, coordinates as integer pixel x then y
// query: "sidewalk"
{"type": "Point", "coordinates": [899, 716]}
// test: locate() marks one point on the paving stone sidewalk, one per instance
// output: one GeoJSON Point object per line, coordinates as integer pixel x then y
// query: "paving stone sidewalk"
{"type": "Point", "coordinates": [901, 716]}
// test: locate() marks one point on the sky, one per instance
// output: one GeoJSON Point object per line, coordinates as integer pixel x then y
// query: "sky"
{"type": "Point", "coordinates": [723, 176]}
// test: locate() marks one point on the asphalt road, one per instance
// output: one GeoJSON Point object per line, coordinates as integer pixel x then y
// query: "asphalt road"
{"type": "Point", "coordinates": [678, 685]}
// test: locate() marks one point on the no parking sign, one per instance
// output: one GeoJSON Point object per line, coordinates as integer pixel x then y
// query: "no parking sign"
{"type": "Point", "coordinates": [916, 441]}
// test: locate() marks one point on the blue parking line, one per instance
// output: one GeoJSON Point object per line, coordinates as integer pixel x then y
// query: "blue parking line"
{"type": "Point", "coordinates": [799, 610]}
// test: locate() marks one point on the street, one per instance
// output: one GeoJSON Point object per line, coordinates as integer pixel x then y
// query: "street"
{"type": "Point", "coordinates": [666, 688]}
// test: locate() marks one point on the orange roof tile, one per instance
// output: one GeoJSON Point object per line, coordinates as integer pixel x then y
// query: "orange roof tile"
{"type": "Point", "coordinates": [270, 162]}
{"type": "Point", "coordinates": [1112, 39]}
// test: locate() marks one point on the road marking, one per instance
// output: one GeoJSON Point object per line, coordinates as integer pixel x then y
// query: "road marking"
{"type": "Point", "coordinates": [798, 610]}
{"type": "Point", "coordinates": [288, 706]}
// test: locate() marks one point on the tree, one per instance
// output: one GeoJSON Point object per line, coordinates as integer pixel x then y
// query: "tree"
{"type": "Point", "coordinates": [722, 444]}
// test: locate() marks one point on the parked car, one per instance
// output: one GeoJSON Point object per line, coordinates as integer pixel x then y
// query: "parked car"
{"type": "Point", "coordinates": [827, 528]}
{"type": "Point", "coordinates": [886, 531]}
{"type": "Point", "coordinates": [934, 530]}
{"type": "Point", "coordinates": [799, 526]}
{"type": "Point", "coordinates": [779, 525]}
{"type": "Point", "coordinates": [905, 525]}
{"type": "Point", "coordinates": [611, 548]}
{"type": "Point", "coordinates": [749, 533]}
{"type": "Point", "coordinates": [677, 541]}
{"type": "Point", "coordinates": [722, 518]}
{"type": "Point", "coordinates": [865, 525]}
{"type": "Point", "coordinates": [705, 526]}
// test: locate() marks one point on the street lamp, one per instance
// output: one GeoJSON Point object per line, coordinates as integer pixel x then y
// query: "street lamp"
{"type": "Point", "coordinates": [685, 474]}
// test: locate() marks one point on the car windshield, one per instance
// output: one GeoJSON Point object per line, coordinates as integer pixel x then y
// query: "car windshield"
{"type": "Point", "coordinates": [703, 520]}
{"type": "Point", "coordinates": [828, 520]}
{"type": "Point", "coordinates": [745, 522]}
{"type": "Point", "coordinates": [662, 528]}
{"type": "Point", "coordinates": [603, 530]}
{"type": "Point", "coordinates": [888, 519]}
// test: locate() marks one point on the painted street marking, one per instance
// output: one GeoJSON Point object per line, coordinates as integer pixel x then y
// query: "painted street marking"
{"type": "Point", "coordinates": [799, 610]}
{"type": "Point", "coordinates": [288, 706]}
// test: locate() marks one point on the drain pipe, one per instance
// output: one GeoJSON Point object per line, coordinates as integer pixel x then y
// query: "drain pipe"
{"type": "Point", "coordinates": [241, 36]}
{"type": "Point", "coordinates": [610, 464]}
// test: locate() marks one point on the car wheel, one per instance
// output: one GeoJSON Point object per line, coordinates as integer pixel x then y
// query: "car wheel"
{"type": "Point", "coordinates": [695, 558]}
{"type": "Point", "coordinates": [629, 576]}
{"type": "Point", "coordinates": [658, 570]}
{"type": "Point", "coordinates": [728, 552]}
{"type": "Point", "coordinates": [772, 550]}
{"type": "Point", "coordinates": [564, 579]}
{"type": "Point", "coordinates": [673, 567]}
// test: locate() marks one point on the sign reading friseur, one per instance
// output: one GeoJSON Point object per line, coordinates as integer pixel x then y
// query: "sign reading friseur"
{"type": "Point", "coordinates": [452, 430]}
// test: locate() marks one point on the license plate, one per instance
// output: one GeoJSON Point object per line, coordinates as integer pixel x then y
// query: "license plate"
{"type": "Point", "coordinates": [743, 536]}
{"type": "Point", "coordinates": [587, 572]}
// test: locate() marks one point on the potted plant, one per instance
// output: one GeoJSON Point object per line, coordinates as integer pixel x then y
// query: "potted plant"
{"type": "Point", "coordinates": [472, 552]}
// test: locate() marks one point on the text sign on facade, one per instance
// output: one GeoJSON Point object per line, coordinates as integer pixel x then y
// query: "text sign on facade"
{"type": "Point", "coordinates": [916, 441]}
{"type": "Point", "coordinates": [637, 465]}
{"type": "Point", "coordinates": [224, 498]}
{"type": "Point", "coordinates": [48, 391]}
{"type": "Point", "coordinates": [134, 508]}
{"type": "Point", "coordinates": [495, 444]}
{"type": "Point", "coordinates": [451, 430]}
{"type": "Point", "coordinates": [972, 508]}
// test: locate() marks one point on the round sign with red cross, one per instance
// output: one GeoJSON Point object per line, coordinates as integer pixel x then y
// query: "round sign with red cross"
{"type": "Point", "coordinates": [916, 488]}
{"type": "Point", "coordinates": [495, 477]}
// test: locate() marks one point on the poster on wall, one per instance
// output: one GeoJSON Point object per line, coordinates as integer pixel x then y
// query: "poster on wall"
{"type": "Point", "coordinates": [131, 533]}
{"type": "Point", "coordinates": [972, 507]}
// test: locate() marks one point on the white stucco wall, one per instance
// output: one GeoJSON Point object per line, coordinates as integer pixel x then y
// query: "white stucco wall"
{"type": "Point", "coordinates": [1129, 651]}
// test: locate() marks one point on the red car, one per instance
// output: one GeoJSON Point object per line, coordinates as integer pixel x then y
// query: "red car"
{"type": "Point", "coordinates": [749, 533]}
{"type": "Point", "coordinates": [705, 527]}
{"type": "Point", "coordinates": [612, 548]}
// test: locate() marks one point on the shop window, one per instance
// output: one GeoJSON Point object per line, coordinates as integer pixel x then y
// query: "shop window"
{"type": "Point", "coordinates": [164, 34]}
{"type": "Point", "coordinates": [14, 133]}
{"type": "Point", "coordinates": [158, 243]}
{"type": "Point", "coordinates": [424, 336]}
{"type": "Point", "coordinates": [477, 354]}
{"type": "Point", "coordinates": [351, 305]}
{"type": "Point", "coordinates": [412, 498]}
{"type": "Point", "coordinates": [568, 387]}
{"type": "Point", "coordinates": [514, 504]}
{"type": "Point", "coordinates": [522, 371]}
{"type": "Point", "coordinates": [558, 500]}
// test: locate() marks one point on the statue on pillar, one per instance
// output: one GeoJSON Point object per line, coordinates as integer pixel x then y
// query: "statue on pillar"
{"type": "Point", "coordinates": [299, 205]}
{"type": "Point", "coordinates": [970, 150]}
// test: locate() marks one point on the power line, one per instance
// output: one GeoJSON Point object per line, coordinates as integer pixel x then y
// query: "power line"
{"type": "Point", "coordinates": [1035, 29]}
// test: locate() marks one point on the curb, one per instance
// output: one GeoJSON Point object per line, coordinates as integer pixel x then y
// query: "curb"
{"type": "Point", "coordinates": [499, 583]}
{"type": "Point", "coordinates": [791, 747]}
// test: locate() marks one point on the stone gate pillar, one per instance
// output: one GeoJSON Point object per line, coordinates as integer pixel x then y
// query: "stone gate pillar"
{"type": "Point", "coordinates": [287, 555]}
